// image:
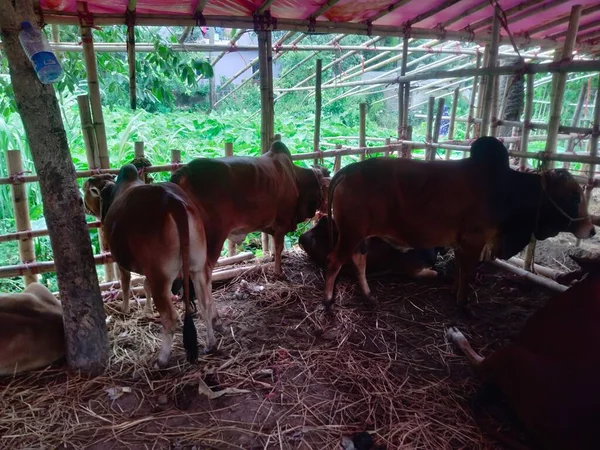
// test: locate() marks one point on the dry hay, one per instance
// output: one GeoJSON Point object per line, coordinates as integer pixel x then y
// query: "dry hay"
{"type": "Point", "coordinates": [293, 377]}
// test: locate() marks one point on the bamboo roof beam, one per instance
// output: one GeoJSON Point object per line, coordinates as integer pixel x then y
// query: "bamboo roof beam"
{"type": "Point", "coordinates": [562, 19]}
{"type": "Point", "coordinates": [509, 12]}
{"type": "Point", "coordinates": [323, 8]}
{"type": "Point", "coordinates": [465, 13]}
{"type": "Point", "coordinates": [431, 12]}
{"type": "Point", "coordinates": [584, 27]}
{"type": "Point", "coordinates": [386, 11]}
{"type": "Point", "coordinates": [265, 5]}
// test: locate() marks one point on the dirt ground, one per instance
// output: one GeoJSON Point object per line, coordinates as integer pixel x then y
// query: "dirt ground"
{"type": "Point", "coordinates": [292, 378]}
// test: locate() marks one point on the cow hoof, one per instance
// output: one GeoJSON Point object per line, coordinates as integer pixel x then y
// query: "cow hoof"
{"type": "Point", "coordinates": [281, 276]}
{"type": "Point", "coordinates": [371, 300]}
{"type": "Point", "coordinates": [209, 350]}
{"type": "Point", "coordinates": [328, 305]}
{"type": "Point", "coordinates": [218, 325]}
{"type": "Point", "coordinates": [453, 334]}
{"type": "Point", "coordinates": [160, 364]}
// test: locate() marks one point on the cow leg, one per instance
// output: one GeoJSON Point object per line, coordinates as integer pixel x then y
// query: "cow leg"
{"type": "Point", "coordinates": [125, 288]}
{"type": "Point", "coordinates": [148, 292]}
{"type": "Point", "coordinates": [454, 335]}
{"type": "Point", "coordinates": [278, 239]}
{"type": "Point", "coordinates": [168, 317]}
{"type": "Point", "coordinates": [207, 306]}
{"type": "Point", "coordinates": [360, 263]}
{"type": "Point", "coordinates": [342, 252]}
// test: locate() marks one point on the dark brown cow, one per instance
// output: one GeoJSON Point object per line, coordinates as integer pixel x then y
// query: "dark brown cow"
{"type": "Point", "coordinates": [382, 258]}
{"type": "Point", "coordinates": [31, 330]}
{"type": "Point", "coordinates": [240, 195]}
{"type": "Point", "coordinates": [549, 374]}
{"type": "Point", "coordinates": [477, 205]}
{"type": "Point", "coordinates": [156, 231]}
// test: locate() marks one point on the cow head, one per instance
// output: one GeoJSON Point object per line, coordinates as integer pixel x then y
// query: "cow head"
{"type": "Point", "coordinates": [312, 192]}
{"type": "Point", "coordinates": [563, 207]}
{"type": "Point", "coordinates": [92, 189]}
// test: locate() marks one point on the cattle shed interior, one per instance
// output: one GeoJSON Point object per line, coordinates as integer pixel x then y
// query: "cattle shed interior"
{"type": "Point", "coordinates": [285, 374]}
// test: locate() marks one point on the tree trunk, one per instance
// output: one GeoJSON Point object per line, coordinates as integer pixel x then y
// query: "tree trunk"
{"type": "Point", "coordinates": [84, 316]}
{"type": "Point", "coordinates": [512, 104]}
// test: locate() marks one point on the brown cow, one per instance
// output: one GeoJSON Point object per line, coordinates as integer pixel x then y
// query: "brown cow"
{"type": "Point", "coordinates": [31, 330]}
{"type": "Point", "coordinates": [549, 374]}
{"type": "Point", "coordinates": [477, 205]}
{"type": "Point", "coordinates": [382, 258]}
{"type": "Point", "coordinates": [240, 195]}
{"type": "Point", "coordinates": [155, 230]}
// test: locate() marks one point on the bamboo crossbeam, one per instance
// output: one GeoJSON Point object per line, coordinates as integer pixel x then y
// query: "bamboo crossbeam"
{"type": "Point", "coordinates": [29, 234]}
{"type": "Point", "coordinates": [554, 23]}
{"type": "Point", "coordinates": [515, 9]}
{"type": "Point", "coordinates": [321, 26]}
{"type": "Point", "coordinates": [473, 9]}
{"type": "Point", "coordinates": [232, 45]}
{"type": "Point", "coordinates": [543, 281]}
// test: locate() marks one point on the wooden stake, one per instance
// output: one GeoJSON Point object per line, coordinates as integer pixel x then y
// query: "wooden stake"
{"type": "Point", "coordinates": [429, 130]}
{"type": "Point", "coordinates": [231, 250]}
{"type": "Point", "coordinates": [21, 209]}
{"type": "Point", "coordinates": [486, 113]}
{"type": "Point", "coordinates": [472, 99]}
{"type": "Point", "coordinates": [362, 129]}
{"type": "Point", "coordinates": [175, 159]}
{"type": "Point", "coordinates": [94, 90]}
{"type": "Point", "coordinates": [88, 132]}
{"type": "Point", "coordinates": [131, 52]}
{"type": "Point", "coordinates": [575, 122]}
{"type": "Point", "coordinates": [388, 141]}
{"type": "Point", "coordinates": [559, 81]}
{"type": "Point", "coordinates": [318, 101]}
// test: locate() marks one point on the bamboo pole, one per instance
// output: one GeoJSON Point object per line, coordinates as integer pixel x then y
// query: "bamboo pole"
{"type": "Point", "coordinates": [131, 51]}
{"type": "Point", "coordinates": [528, 113]}
{"type": "Point", "coordinates": [21, 210]}
{"type": "Point", "coordinates": [19, 235]}
{"type": "Point", "coordinates": [362, 129]}
{"type": "Point", "coordinates": [575, 122]}
{"type": "Point", "coordinates": [318, 104]}
{"type": "Point", "coordinates": [138, 151]}
{"type": "Point", "coordinates": [337, 163]}
{"type": "Point", "coordinates": [558, 85]}
{"type": "Point", "coordinates": [388, 141]}
{"type": "Point", "coordinates": [232, 46]}
{"type": "Point", "coordinates": [88, 132]}
{"type": "Point", "coordinates": [486, 113]}
{"type": "Point", "coordinates": [593, 149]}
{"type": "Point", "coordinates": [175, 160]}
{"type": "Point", "coordinates": [231, 249]}
{"type": "Point", "coordinates": [94, 92]}
{"type": "Point", "coordinates": [438, 124]}
{"type": "Point", "coordinates": [472, 99]}
{"type": "Point", "coordinates": [542, 281]}
{"type": "Point", "coordinates": [402, 92]}
{"type": "Point", "coordinates": [494, 107]}
{"type": "Point", "coordinates": [452, 119]}
{"type": "Point", "coordinates": [212, 92]}
{"type": "Point", "coordinates": [429, 131]}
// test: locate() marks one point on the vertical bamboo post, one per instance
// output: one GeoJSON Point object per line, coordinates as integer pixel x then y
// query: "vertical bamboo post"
{"type": "Point", "coordinates": [175, 160]}
{"type": "Point", "coordinates": [56, 38]}
{"type": "Point", "coordinates": [318, 101]}
{"type": "Point", "coordinates": [437, 126]}
{"type": "Point", "coordinates": [130, 19]}
{"type": "Point", "coordinates": [429, 130]}
{"type": "Point", "coordinates": [266, 102]}
{"type": "Point", "coordinates": [472, 101]}
{"type": "Point", "coordinates": [93, 86]}
{"type": "Point", "coordinates": [231, 250]}
{"type": "Point", "coordinates": [21, 209]}
{"type": "Point", "coordinates": [452, 119]}
{"type": "Point", "coordinates": [559, 81]}
{"type": "Point", "coordinates": [138, 151]}
{"type": "Point", "coordinates": [362, 130]}
{"type": "Point", "coordinates": [574, 123]}
{"type": "Point", "coordinates": [88, 132]}
{"type": "Point", "coordinates": [212, 91]}
{"type": "Point", "coordinates": [402, 119]}
{"type": "Point", "coordinates": [406, 150]}
{"type": "Point", "coordinates": [494, 107]}
{"type": "Point", "coordinates": [337, 162]}
{"type": "Point", "coordinates": [388, 141]}
{"type": "Point", "coordinates": [490, 85]}
{"type": "Point", "coordinates": [530, 250]}
{"type": "Point", "coordinates": [593, 148]}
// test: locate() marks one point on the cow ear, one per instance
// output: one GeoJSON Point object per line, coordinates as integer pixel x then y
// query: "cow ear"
{"type": "Point", "coordinates": [95, 191]}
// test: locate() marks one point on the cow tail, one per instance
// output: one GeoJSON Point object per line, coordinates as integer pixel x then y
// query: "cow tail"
{"type": "Point", "coordinates": [190, 334]}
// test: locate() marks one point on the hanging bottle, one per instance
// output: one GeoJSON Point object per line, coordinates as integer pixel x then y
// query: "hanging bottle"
{"type": "Point", "coordinates": [38, 50]}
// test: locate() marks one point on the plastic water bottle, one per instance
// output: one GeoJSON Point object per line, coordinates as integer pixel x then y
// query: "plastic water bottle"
{"type": "Point", "coordinates": [38, 50]}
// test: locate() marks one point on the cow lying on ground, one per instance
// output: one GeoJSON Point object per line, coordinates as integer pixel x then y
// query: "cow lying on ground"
{"type": "Point", "coordinates": [31, 330]}
{"type": "Point", "coordinates": [240, 195]}
{"type": "Point", "coordinates": [549, 374]}
{"type": "Point", "coordinates": [477, 205]}
{"type": "Point", "coordinates": [156, 231]}
{"type": "Point", "coordinates": [382, 258]}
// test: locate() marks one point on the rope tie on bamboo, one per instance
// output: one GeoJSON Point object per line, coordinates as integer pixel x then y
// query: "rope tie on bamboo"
{"type": "Point", "coordinates": [312, 24]}
{"type": "Point", "coordinates": [18, 177]}
{"type": "Point", "coordinates": [200, 19]}
{"type": "Point", "coordinates": [528, 124]}
{"type": "Point", "coordinates": [26, 269]}
{"type": "Point", "coordinates": [441, 32]}
{"type": "Point", "coordinates": [406, 30]}
{"type": "Point", "coordinates": [504, 23]}
{"type": "Point", "coordinates": [86, 18]}
{"type": "Point", "coordinates": [369, 28]}
{"type": "Point", "coordinates": [470, 32]}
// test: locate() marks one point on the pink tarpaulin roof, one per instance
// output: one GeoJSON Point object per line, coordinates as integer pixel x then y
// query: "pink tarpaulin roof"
{"type": "Point", "coordinates": [528, 20]}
